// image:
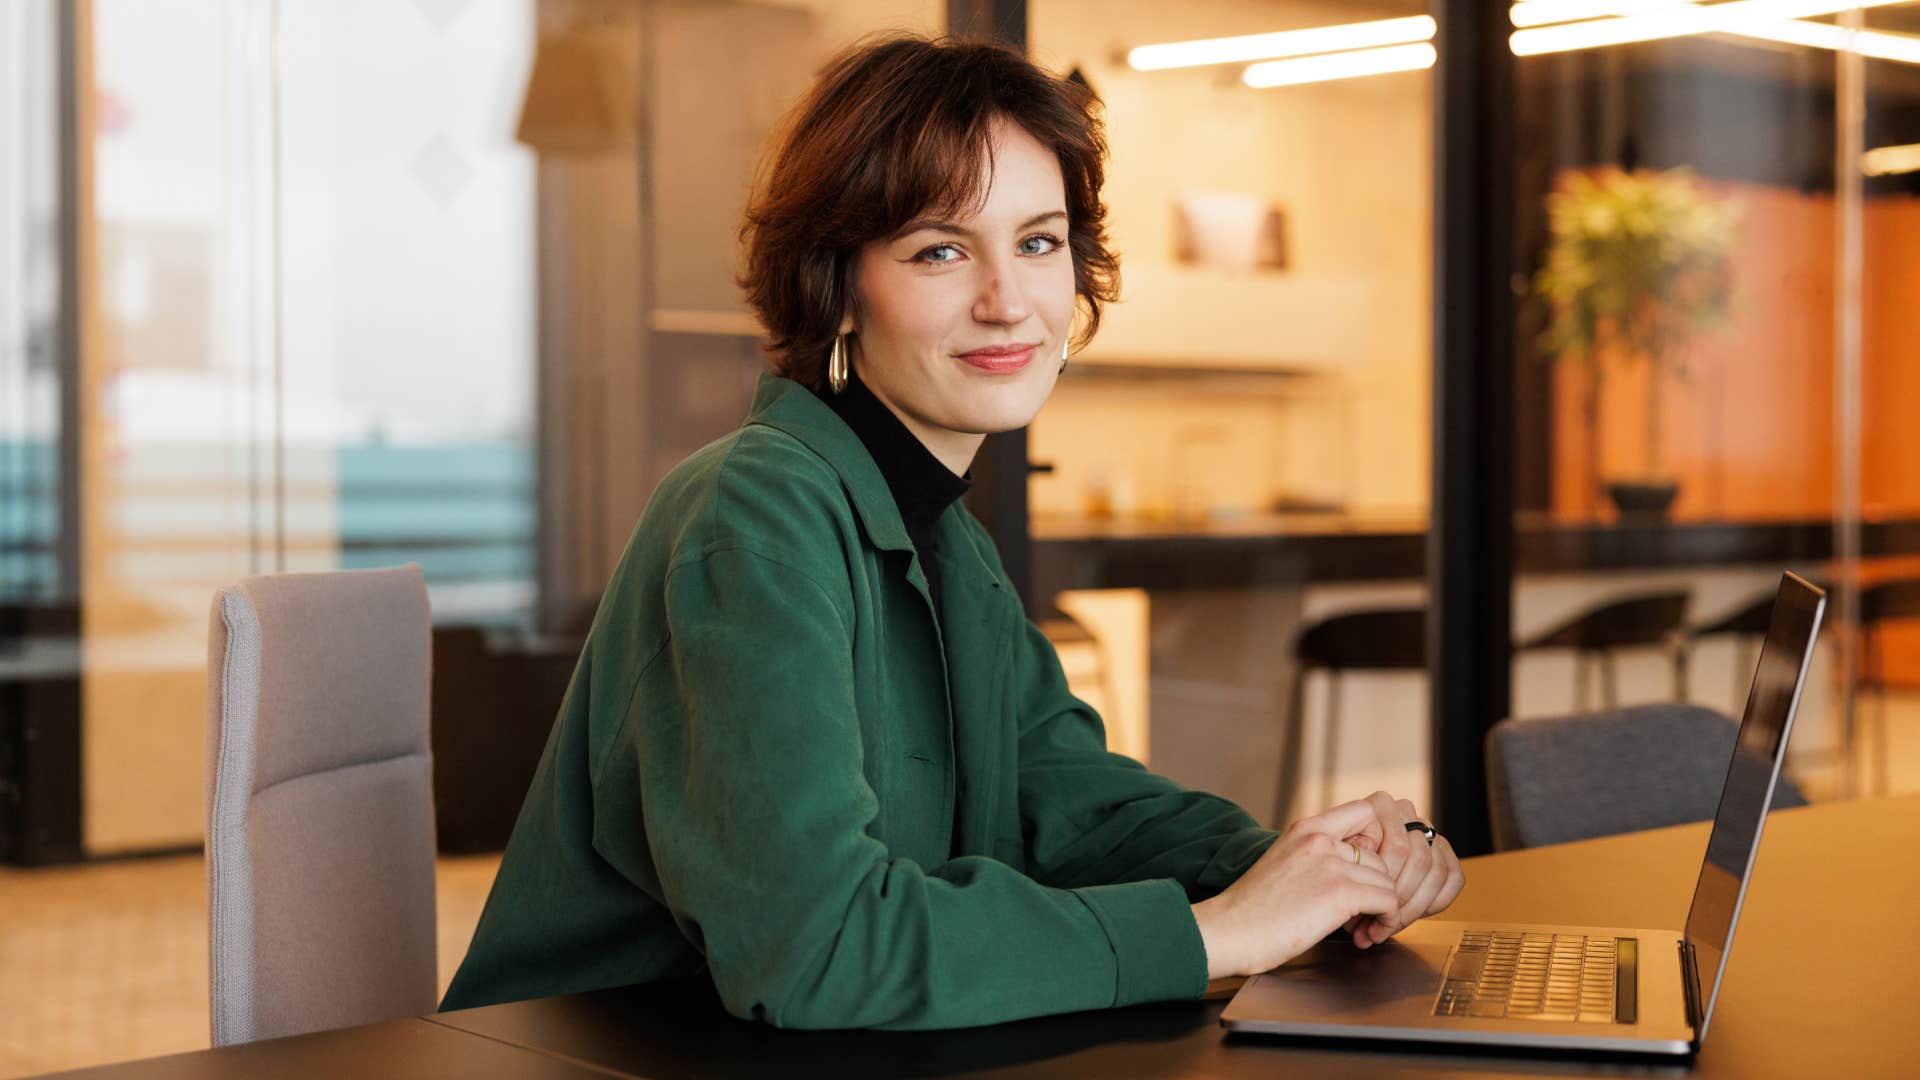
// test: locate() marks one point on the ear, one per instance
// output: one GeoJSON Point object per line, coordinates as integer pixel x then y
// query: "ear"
{"type": "Point", "coordinates": [846, 324]}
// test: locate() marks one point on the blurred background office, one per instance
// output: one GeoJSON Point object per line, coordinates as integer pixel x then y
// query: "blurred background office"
{"type": "Point", "coordinates": [296, 285]}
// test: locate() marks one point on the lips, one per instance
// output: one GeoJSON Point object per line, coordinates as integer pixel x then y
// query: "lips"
{"type": "Point", "coordinates": [1000, 359]}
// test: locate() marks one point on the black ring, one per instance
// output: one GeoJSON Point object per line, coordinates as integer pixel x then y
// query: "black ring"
{"type": "Point", "coordinates": [1423, 828]}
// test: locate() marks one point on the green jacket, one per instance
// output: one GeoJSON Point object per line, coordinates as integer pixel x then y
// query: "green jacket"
{"type": "Point", "coordinates": [776, 765]}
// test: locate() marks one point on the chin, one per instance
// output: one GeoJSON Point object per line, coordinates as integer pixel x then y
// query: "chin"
{"type": "Point", "coordinates": [1006, 408]}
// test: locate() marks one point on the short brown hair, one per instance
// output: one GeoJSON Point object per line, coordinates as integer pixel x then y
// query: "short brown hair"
{"type": "Point", "coordinates": [894, 128]}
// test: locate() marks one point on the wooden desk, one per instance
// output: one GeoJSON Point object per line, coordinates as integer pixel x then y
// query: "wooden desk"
{"type": "Point", "coordinates": [1819, 983]}
{"type": "Point", "coordinates": [1813, 985]}
{"type": "Point", "coordinates": [415, 1049]}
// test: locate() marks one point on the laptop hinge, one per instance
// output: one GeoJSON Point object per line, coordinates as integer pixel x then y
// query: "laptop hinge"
{"type": "Point", "coordinates": [1690, 983]}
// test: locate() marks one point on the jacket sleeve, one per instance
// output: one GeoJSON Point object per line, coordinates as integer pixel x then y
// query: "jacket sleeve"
{"type": "Point", "coordinates": [1094, 817]}
{"type": "Point", "coordinates": [757, 810]}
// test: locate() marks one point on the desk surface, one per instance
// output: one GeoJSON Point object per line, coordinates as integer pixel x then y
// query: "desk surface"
{"type": "Point", "coordinates": [1819, 983]}
{"type": "Point", "coordinates": [410, 1048]}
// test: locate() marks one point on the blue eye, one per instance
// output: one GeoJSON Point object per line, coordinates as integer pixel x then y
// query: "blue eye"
{"type": "Point", "coordinates": [928, 255]}
{"type": "Point", "coordinates": [1051, 244]}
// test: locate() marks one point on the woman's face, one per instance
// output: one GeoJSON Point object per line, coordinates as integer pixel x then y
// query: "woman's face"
{"type": "Point", "coordinates": [961, 322]}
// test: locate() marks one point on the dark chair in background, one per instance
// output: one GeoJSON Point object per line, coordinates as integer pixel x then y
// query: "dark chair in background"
{"type": "Point", "coordinates": [495, 697]}
{"type": "Point", "coordinates": [1383, 639]}
{"type": "Point", "coordinates": [1747, 626]}
{"type": "Point", "coordinates": [1558, 779]}
{"type": "Point", "coordinates": [40, 751]}
{"type": "Point", "coordinates": [1880, 603]}
{"type": "Point", "coordinates": [1642, 621]}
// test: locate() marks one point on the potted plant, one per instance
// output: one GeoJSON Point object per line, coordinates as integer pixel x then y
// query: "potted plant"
{"type": "Point", "coordinates": [1637, 268]}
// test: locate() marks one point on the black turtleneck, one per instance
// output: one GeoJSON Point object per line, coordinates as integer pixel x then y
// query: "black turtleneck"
{"type": "Point", "coordinates": [922, 487]}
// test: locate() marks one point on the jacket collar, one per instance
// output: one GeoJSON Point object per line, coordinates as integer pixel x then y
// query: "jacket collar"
{"type": "Point", "coordinates": [787, 406]}
{"type": "Point", "coordinates": [921, 485]}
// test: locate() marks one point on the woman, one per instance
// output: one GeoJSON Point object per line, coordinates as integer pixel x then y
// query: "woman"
{"type": "Point", "coordinates": [814, 749]}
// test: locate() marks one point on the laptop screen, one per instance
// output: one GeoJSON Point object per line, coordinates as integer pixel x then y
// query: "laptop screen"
{"type": "Point", "coordinates": [1749, 787]}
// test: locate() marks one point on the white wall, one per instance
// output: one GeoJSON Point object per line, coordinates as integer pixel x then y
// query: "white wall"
{"type": "Point", "coordinates": [1348, 161]}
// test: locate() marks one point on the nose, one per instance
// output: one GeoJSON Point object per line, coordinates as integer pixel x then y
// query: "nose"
{"type": "Point", "coordinates": [1002, 298]}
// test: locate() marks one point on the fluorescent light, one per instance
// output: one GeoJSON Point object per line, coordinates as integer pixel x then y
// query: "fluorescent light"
{"type": "Point", "coordinates": [1731, 17]}
{"type": "Point", "coordinates": [1346, 65]}
{"type": "Point", "coordinates": [1904, 48]}
{"type": "Point", "coordinates": [1318, 39]}
{"type": "Point", "coordinates": [1888, 160]}
{"type": "Point", "coordinates": [1542, 12]}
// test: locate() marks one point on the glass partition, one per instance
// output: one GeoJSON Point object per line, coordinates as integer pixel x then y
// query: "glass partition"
{"type": "Point", "coordinates": [1242, 451]}
{"type": "Point", "coordinates": [298, 285]}
{"type": "Point", "coordinates": [1877, 383]}
{"type": "Point", "coordinates": [1711, 349]}
{"type": "Point", "coordinates": [268, 320]}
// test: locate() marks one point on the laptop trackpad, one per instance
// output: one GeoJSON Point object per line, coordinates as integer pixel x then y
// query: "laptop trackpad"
{"type": "Point", "coordinates": [1334, 978]}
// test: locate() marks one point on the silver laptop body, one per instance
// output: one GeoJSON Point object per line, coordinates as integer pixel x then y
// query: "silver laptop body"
{"type": "Point", "coordinates": [1563, 987]}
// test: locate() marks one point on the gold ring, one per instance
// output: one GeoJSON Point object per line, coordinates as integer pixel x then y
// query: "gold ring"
{"type": "Point", "coordinates": [1356, 854]}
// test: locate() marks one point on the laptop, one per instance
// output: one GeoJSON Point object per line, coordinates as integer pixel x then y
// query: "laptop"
{"type": "Point", "coordinates": [1550, 987]}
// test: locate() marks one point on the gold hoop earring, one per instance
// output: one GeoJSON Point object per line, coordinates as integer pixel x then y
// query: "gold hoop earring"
{"type": "Point", "coordinates": [1063, 354]}
{"type": "Point", "coordinates": [837, 367]}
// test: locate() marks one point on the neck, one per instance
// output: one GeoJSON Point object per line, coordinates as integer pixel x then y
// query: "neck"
{"type": "Point", "coordinates": [954, 449]}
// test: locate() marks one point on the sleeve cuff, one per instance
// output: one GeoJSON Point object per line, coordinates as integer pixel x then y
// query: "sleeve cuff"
{"type": "Point", "coordinates": [1157, 951]}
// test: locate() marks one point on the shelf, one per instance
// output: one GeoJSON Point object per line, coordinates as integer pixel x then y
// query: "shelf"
{"type": "Point", "coordinates": [687, 321]}
{"type": "Point", "coordinates": [1174, 316]}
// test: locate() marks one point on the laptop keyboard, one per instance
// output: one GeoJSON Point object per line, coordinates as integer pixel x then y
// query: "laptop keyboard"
{"type": "Point", "coordinates": [1510, 975]}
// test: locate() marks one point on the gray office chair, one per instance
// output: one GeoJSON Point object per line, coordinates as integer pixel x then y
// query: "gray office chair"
{"type": "Point", "coordinates": [1565, 778]}
{"type": "Point", "coordinates": [320, 854]}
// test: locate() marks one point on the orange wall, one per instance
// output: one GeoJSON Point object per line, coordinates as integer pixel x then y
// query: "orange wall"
{"type": "Point", "coordinates": [1890, 347]}
{"type": "Point", "coordinates": [1751, 434]}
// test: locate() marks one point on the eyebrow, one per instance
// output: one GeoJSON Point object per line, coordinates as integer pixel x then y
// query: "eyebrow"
{"type": "Point", "coordinates": [949, 227]}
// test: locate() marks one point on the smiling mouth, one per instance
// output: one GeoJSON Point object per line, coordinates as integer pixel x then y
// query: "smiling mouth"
{"type": "Point", "coordinates": [1000, 359]}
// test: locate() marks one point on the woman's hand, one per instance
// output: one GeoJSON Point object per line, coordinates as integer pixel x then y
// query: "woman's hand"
{"type": "Point", "coordinates": [1426, 878]}
{"type": "Point", "coordinates": [1307, 885]}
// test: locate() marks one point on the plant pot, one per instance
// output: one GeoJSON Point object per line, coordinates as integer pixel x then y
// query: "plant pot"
{"type": "Point", "coordinates": [1643, 500]}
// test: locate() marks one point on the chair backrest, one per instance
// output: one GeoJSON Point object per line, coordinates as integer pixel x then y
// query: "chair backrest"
{"type": "Point", "coordinates": [1380, 639]}
{"type": "Point", "coordinates": [320, 853]}
{"type": "Point", "coordinates": [1557, 779]}
{"type": "Point", "coordinates": [1887, 601]}
{"type": "Point", "coordinates": [1750, 619]}
{"type": "Point", "coordinates": [1625, 623]}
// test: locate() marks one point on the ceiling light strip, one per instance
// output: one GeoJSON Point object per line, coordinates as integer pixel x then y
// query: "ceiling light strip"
{"type": "Point", "coordinates": [1673, 22]}
{"type": "Point", "coordinates": [1318, 39]}
{"type": "Point", "coordinates": [1346, 65]}
{"type": "Point", "coordinates": [1904, 48]}
{"type": "Point", "coordinates": [1891, 160]}
{"type": "Point", "coordinates": [1544, 12]}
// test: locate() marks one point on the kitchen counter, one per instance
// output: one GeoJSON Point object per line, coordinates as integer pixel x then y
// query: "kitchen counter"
{"type": "Point", "coordinates": [1279, 549]}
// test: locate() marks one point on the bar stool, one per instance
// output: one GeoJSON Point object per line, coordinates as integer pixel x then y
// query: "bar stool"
{"type": "Point", "coordinates": [1887, 601]}
{"type": "Point", "coordinates": [1747, 626]}
{"type": "Point", "coordinates": [1643, 620]}
{"type": "Point", "coordinates": [1382, 639]}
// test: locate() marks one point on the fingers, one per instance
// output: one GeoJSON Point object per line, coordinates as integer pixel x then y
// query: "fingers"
{"type": "Point", "coordinates": [1375, 899]}
{"type": "Point", "coordinates": [1358, 816]}
{"type": "Point", "coordinates": [1411, 909]}
{"type": "Point", "coordinates": [1418, 880]}
{"type": "Point", "coordinates": [1358, 864]}
{"type": "Point", "coordinates": [1394, 846]}
{"type": "Point", "coordinates": [1374, 862]}
{"type": "Point", "coordinates": [1363, 931]}
{"type": "Point", "coordinates": [1436, 893]}
{"type": "Point", "coordinates": [1456, 878]}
